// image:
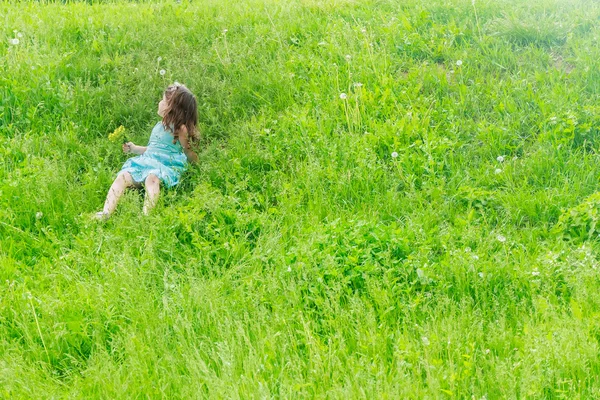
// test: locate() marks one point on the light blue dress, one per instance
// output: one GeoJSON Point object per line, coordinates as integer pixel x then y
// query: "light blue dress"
{"type": "Point", "coordinates": [162, 158]}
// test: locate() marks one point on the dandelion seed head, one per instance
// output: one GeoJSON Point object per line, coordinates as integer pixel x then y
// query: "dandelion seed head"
{"type": "Point", "coordinates": [348, 57]}
{"type": "Point", "coordinates": [289, 269]}
{"type": "Point", "coordinates": [19, 35]}
{"type": "Point", "coordinates": [535, 273]}
{"type": "Point", "coordinates": [425, 340]}
{"type": "Point", "coordinates": [459, 62]}
{"type": "Point", "coordinates": [480, 274]}
{"type": "Point", "coordinates": [162, 72]}
{"type": "Point", "coordinates": [39, 215]}
{"type": "Point", "coordinates": [500, 159]}
{"type": "Point", "coordinates": [159, 59]}
{"type": "Point", "coordinates": [343, 96]}
{"type": "Point", "coordinates": [497, 171]}
{"type": "Point", "coordinates": [224, 31]}
{"type": "Point", "coordinates": [394, 154]}
{"type": "Point", "coordinates": [501, 238]}
{"type": "Point", "coordinates": [357, 84]}
{"type": "Point", "coordinates": [363, 30]}
{"type": "Point", "coordinates": [14, 41]}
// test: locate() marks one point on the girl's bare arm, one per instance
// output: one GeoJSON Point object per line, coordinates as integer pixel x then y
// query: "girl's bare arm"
{"type": "Point", "coordinates": [129, 147]}
{"type": "Point", "coordinates": [185, 143]}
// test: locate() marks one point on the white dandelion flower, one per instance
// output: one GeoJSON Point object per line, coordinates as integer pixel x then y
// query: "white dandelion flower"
{"type": "Point", "coordinates": [159, 59]}
{"type": "Point", "coordinates": [348, 57]}
{"type": "Point", "coordinates": [357, 84]}
{"type": "Point", "coordinates": [425, 340]}
{"type": "Point", "coordinates": [480, 274]}
{"type": "Point", "coordinates": [224, 31]}
{"type": "Point", "coordinates": [467, 249]}
{"type": "Point", "coordinates": [19, 35]}
{"type": "Point", "coordinates": [363, 30]}
{"type": "Point", "coordinates": [343, 96]}
{"type": "Point", "coordinates": [14, 41]}
{"type": "Point", "coordinates": [535, 273]}
{"type": "Point", "coordinates": [394, 154]}
{"type": "Point", "coordinates": [500, 159]}
{"type": "Point", "coordinates": [289, 269]}
{"type": "Point", "coordinates": [497, 171]}
{"type": "Point", "coordinates": [39, 215]}
{"type": "Point", "coordinates": [459, 62]}
{"type": "Point", "coordinates": [501, 238]}
{"type": "Point", "coordinates": [475, 257]}
{"type": "Point", "coordinates": [487, 351]}
{"type": "Point", "coordinates": [162, 72]}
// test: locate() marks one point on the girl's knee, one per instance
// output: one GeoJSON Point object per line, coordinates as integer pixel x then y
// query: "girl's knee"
{"type": "Point", "coordinates": [152, 180]}
{"type": "Point", "coordinates": [125, 177]}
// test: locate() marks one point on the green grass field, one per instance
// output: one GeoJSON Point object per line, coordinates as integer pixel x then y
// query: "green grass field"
{"type": "Point", "coordinates": [395, 199]}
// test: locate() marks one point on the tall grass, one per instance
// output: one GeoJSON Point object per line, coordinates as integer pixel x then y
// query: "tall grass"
{"type": "Point", "coordinates": [428, 235]}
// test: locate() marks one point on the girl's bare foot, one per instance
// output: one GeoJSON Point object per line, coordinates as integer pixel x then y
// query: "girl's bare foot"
{"type": "Point", "coordinates": [102, 216]}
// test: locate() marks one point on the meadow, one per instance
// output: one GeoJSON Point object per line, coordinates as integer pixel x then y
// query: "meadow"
{"type": "Point", "coordinates": [395, 199]}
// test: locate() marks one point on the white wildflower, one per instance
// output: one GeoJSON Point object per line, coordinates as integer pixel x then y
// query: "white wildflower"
{"type": "Point", "coordinates": [394, 154]}
{"type": "Point", "coordinates": [475, 257]}
{"type": "Point", "coordinates": [39, 215]}
{"type": "Point", "coordinates": [348, 57]}
{"type": "Point", "coordinates": [467, 249]}
{"type": "Point", "coordinates": [159, 59]}
{"type": "Point", "coordinates": [224, 31]}
{"type": "Point", "coordinates": [487, 351]}
{"type": "Point", "coordinates": [14, 41]}
{"type": "Point", "coordinates": [322, 43]}
{"type": "Point", "coordinates": [500, 159]}
{"type": "Point", "coordinates": [535, 273]}
{"type": "Point", "coordinates": [497, 171]}
{"type": "Point", "coordinates": [425, 340]}
{"type": "Point", "coordinates": [501, 238]}
{"type": "Point", "coordinates": [459, 62]}
{"type": "Point", "coordinates": [357, 84]}
{"type": "Point", "coordinates": [480, 274]}
{"type": "Point", "coordinates": [363, 30]}
{"type": "Point", "coordinates": [162, 72]}
{"type": "Point", "coordinates": [343, 96]}
{"type": "Point", "coordinates": [19, 35]}
{"type": "Point", "coordinates": [289, 269]}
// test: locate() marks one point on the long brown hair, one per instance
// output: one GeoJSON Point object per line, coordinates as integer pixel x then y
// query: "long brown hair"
{"type": "Point", "coordinates": [182, 109]}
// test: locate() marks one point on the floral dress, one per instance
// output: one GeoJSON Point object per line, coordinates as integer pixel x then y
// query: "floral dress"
{"type": "Point", "coordinates": [162, 158]}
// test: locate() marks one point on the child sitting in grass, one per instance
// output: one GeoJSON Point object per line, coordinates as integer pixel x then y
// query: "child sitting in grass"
{"type": "Point", "coordinates": [167, 153]}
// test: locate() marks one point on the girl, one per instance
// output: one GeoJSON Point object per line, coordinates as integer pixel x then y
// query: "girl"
{"type": "Point", "coordinates": [167, 153]}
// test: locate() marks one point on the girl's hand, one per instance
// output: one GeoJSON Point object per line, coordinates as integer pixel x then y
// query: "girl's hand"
{"type": "Point", "coordinates": [128, 147]}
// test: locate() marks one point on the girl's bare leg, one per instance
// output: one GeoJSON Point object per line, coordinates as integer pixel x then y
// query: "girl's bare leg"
{"type": "Point", "coordinates": [122, 182]}
{"type": "Point", "coordinates": [152, 192]}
